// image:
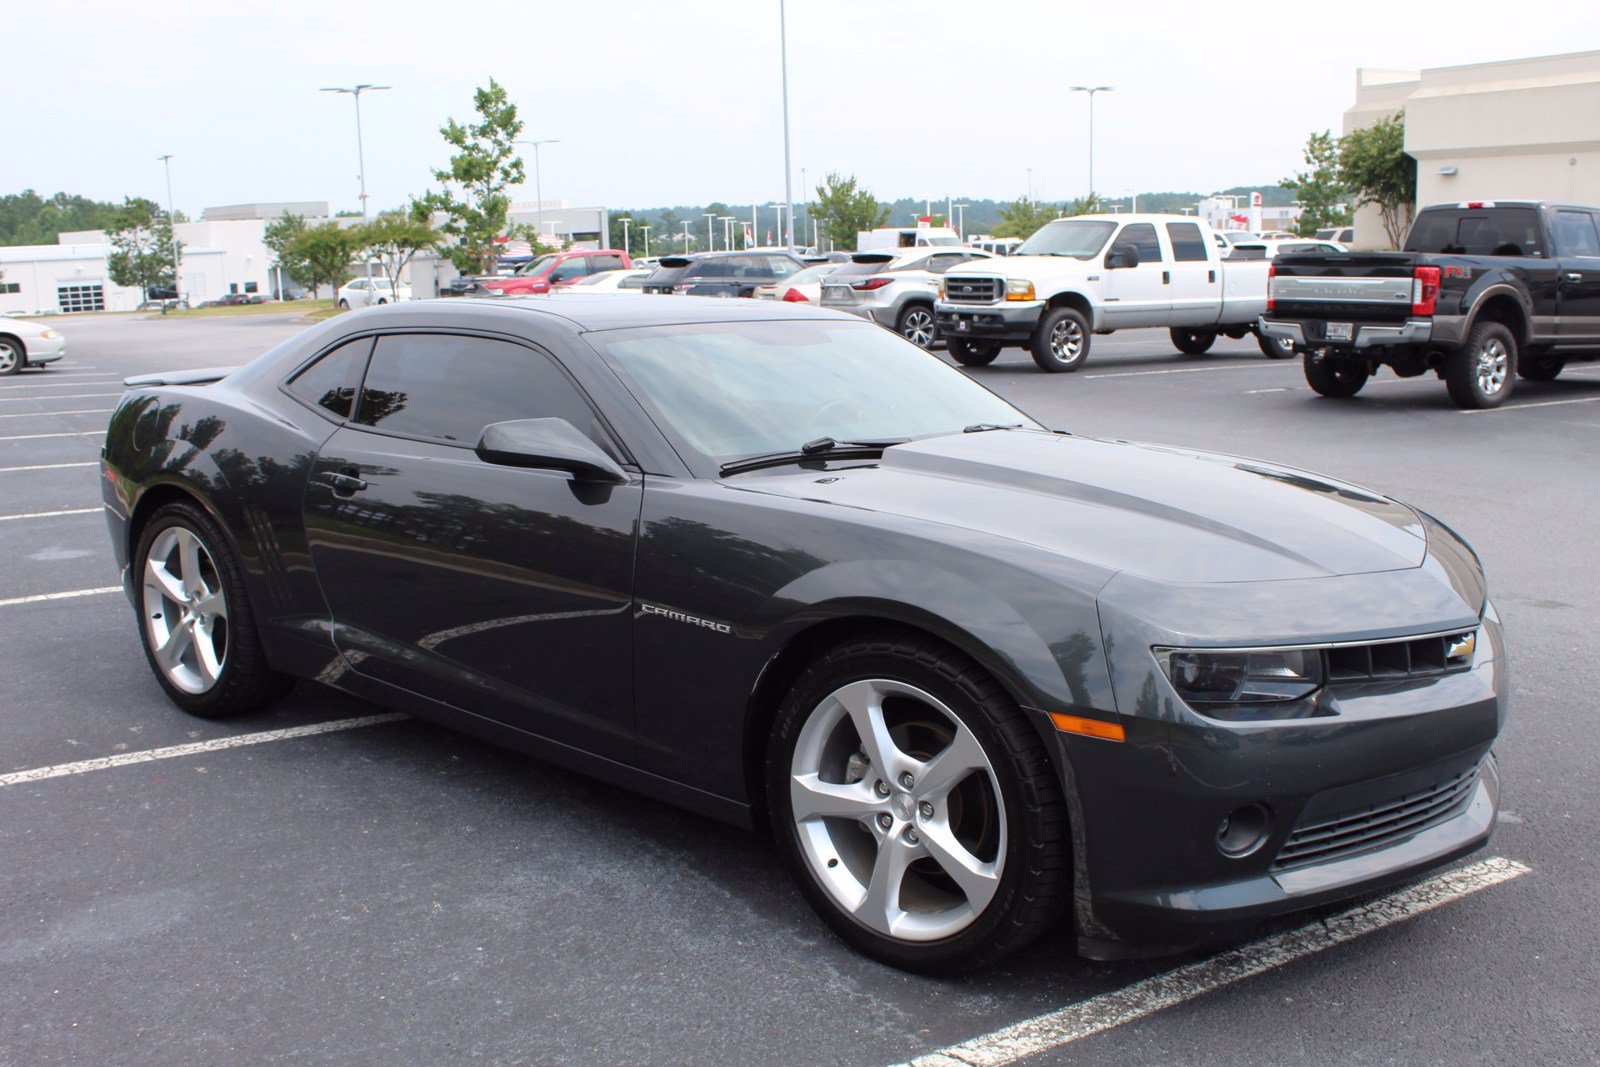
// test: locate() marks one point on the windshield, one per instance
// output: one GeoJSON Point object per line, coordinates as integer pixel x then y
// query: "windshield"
{"type": "Point", "coordinates": [723, 391]}
{"type": "Point", "coordinates": [1068, 238]}
{"type": "Point", "coordinates": [941, 242]}
{"type": "Point", "coordinates": [536, 266]}
{"type": "Point", "coordinates": [811, 274]}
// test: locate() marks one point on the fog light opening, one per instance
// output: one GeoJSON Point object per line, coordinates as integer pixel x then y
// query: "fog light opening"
{"type": "Point", "coordinates": [1243, 831]}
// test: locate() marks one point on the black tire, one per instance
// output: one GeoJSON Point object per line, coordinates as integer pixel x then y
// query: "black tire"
{"type": "Point", "coordinates": [345, 304]}
{"type": "Point", "coordinates": [12, 356]}
{"type": "Point", "coordinates": [1540, 368]}
{"type": "Point", "coordinates": [1192, 342]}
{"type": "Point", "coordinates": [246, 682]}
{"type": "Point", "coordinates": [382, 301]}
{"type": "Point", "coordinates": [1033, 885]}
{"type": "Point", "coordinates": [1061, 341]}
{"type": "Point", "coordinates": [1481, 373]}
{"type": "Point", "coordinates": [1337, 378]}
{"type": "Point", "coordinates": [1275, 347]}
{"type": "Point", "coordinates": [917, 325]}
{"type": "Point", "coordinates": [972, 353]}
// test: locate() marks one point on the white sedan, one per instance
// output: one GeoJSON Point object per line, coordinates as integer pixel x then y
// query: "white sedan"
{"type": "Point", "coordinates": [365, 292]}
{"type": "Point", "coordinates": [28, 344]}
{"type": "Point", "coordinates": [613, 281]}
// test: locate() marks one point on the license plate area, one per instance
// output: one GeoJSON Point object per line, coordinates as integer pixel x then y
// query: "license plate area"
{"type": "Point", "coordinates": [1339, 331]}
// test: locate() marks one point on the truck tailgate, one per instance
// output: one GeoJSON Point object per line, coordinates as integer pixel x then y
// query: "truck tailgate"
{"type": "Point", "coordinates": [1366, 287]}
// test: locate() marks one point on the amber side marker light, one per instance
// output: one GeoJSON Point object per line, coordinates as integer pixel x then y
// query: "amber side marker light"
{"type": "Point", "coordinates": [1072, 724]}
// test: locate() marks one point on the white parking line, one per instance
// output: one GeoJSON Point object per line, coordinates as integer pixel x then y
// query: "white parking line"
{"type": "Point", "coordinates": [55, 396]}
{"type": "Point", "coordinates": [62, 433]}
{"type": "Point", "coordinates": [50, 514]}
{"type": "Point", "coordinates": [123, 759]}
{"type": "Point", "coordinates": [1109, 1010]}
{"type": "Point", "coordinates": [106, 379]}
{"type": "Point", "coordinates": [46, 467]}
{"type": "Point", "coordinates": [37, 414]}
{"type": "Point", "coordinates": [1540, 404]}
{"type": "Point", "coordinates": [39, 598]}
{"type": "Point", "coordinates": [1186, 370]}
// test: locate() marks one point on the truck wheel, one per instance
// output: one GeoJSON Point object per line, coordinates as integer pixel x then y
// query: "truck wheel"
{"type": "Point", "coordinates": [1339, 378]}
{"type": "Point", "coordinates": [1540, 368]}
{"type": "Point", "coordinates": [1061, 343]}
{"type": "Point", "coordinates": [1275, 347]}
{"type": "Point", "coordinates": [1192, 342]}
{"type": "Point", "coordinates": [972, 353]}
{"type": "Point", "coordinates": [916, 325]}
{"type": "Point", "coordinates": [1479, 374]}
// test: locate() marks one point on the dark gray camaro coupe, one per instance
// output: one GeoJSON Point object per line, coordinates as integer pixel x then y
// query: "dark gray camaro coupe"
{"type": "Point", "coordinates": [782, 567]}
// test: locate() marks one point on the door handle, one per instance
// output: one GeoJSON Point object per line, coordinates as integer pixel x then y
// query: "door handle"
{"type": "Point", "coordinates": [1211, 276]}
{"type": "Point", "coordinates": [1166, 277]}
{"type": "Point", "coordinates": [343, 483]}
{"type": "Point", "coordinates": [1573, 276]}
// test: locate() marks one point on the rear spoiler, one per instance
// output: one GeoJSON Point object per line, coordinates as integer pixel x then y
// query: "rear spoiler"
{"type": "Point", "coordinates": [201, 376]}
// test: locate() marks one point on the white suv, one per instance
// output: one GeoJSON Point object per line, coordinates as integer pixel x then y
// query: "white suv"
{"type": "Point", "coordinates": [896, 288]}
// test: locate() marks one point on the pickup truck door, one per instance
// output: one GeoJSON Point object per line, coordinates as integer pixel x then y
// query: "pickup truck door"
{"type": "Point", "coordinates": [1578, 303]}
{"type": "Point", "coordinates": [1142, 295]}
{"type": "Point", "coordinates": [1195, 289]}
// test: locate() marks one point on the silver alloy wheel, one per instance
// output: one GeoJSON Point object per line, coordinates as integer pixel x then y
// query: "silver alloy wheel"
{"type": "Point", "coordinates": [186, 610]}
{"type": "Point", "coordinates": [10, 357]}
{"type": "Point", "coordinates": [1494, 363]}
{"type": "Point", "coordinates": [917, 327]}
{"type": "Point", "coordinates": [890, 834]}
{"type": "Point", "coordinates": [1066, 340]}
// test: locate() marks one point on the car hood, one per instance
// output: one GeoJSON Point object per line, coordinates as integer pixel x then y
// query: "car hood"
{"type": "Point", "coordinates": [1025, 267]}
{"type": "Point", "coordinates": [1160, 513]}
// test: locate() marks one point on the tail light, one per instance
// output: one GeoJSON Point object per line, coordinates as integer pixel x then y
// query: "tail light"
{"type": "Point", "coordinates": [1424, 290]}
{"type": "Point", "coordinates": [795, 296]}
{"type": "Point", "coordinates": [1272, 272]}
{"type": "Point", "coordinates": [870, 284]}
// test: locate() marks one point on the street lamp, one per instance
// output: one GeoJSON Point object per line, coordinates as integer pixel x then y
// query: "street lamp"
{"type": "Point", "coordinates": [644, 228]}
{"type": "Point", "coordinates": [961, 221]}
{"type": "Point", "coordinates": [625, 220]}
{"type": "Point", "coordinates": [538, 186]}
{"type": "Point", "coordinates": [727, 231]}
{"type": "Point", "coordinates": [783, 47]}
{"type": "Point", "coordinates": [361, 157]}
{"type": "Point", "coordinates": [1091, 90]}
{"type": "Point", "coordinates": [711, 240]}
{"type": "Point", "coordinates": [172, 232]}
{"type": "Point", "coordinates": [686, 235]}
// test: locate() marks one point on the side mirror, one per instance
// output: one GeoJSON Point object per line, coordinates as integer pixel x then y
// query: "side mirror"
{"type": "Point", "coordinates": [547, 444]}
{"type": "Point", "coordinates": [1122, 257]}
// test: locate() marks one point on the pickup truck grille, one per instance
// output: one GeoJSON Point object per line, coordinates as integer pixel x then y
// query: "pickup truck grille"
{"type": "Point", "coordinates": [973, 290]}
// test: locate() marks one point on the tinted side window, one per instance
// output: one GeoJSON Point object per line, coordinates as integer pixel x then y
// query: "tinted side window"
{"type": "Point", "coordinates": [944, 261]}
{"type": "Point", "coordinates": [708, 268]}
{"type": "Point", "coordinates": [1512, 231]}
{"type": "Point", "coordinates": [450, 387]}
{"type": "Point", "coordinates": [599, 263]}
{"type": "Point", "coordinates": [568, 269]}
{"type": "Point", "coordinates": [1575, 234]}
{"type": "Point", "coordinates": [331, 381]}
{"type": "Point", "coordinates": [1187, 244]}
{"type": "Point", "coordinates": [781, 266]}
{"type": "Point", "coordinates": [1142, 236]}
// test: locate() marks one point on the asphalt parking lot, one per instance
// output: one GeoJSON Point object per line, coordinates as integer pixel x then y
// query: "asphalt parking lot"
{"type": "Point", "coordinates": [392, 892]}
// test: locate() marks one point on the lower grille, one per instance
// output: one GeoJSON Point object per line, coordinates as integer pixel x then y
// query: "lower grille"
{"type": "Point", "coordinates": [972, 290]}
{"type": "Point", "coordinates": [1380, 824]}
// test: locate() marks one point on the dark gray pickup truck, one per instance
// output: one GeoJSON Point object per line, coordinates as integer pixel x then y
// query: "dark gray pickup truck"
{"type": "Point", "coordinates": [1482, 292]}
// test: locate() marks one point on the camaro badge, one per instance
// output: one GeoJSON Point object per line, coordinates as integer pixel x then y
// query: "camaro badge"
{"type": "Point", "coordinates": [678, 616]}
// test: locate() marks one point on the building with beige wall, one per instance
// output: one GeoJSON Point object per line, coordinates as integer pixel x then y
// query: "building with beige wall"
{"type": "Point", "coordinates": [1518, 129]}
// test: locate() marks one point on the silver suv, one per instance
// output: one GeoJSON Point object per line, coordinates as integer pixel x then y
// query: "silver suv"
{"type": "Point", "coordinates": [895, 289]}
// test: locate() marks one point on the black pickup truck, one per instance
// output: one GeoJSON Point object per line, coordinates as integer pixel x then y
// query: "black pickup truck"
{"type": "Point", "coordinates": [1482, 292]}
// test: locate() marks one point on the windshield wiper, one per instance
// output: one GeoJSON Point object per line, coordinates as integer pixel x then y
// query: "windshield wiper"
{"type": "Point", "coordinates": [980, 427]}
{"type": "Point", "coordinates": [821, 448]}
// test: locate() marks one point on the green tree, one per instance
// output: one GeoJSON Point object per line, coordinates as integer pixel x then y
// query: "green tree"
{"type": "Point", "coordinates": [484, 166]}
{"type": "Point", "coordinates": [845, 208]}
{"type": "Point", "coordinates": [280, 241]}
{"type": "Point", "coordinates": [142, 246]}
{"type": "Point", "coordinates": [325, 252]}
{"type": "Point", "coordinates": [1083, 205]}
{"type": "Point", "coordinates": [394, 238]}
{"type": "Point", "coordinates": [1023, 216]}
{"type": "Point", "coordinates": [1374, 166]}
{"type": "Point", "coordinates": [26, 218]}
{"type": "Point", "coordinates": [1319, 187]}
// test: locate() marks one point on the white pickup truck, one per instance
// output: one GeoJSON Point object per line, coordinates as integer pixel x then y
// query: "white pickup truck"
{"type": "Point", "coordinates": [1092, 274]}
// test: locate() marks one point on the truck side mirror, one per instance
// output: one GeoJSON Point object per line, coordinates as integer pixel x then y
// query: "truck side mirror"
{"type": "Point", "coordinates": [1122, 257]}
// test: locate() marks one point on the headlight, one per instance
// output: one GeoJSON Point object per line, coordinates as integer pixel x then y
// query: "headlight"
{"type": "Point", "coordinates": [1245, 684]}
{"type": "Point", "coordinates": [1018, 289]}
{"type": "Point", "coordinates": [49, 335]}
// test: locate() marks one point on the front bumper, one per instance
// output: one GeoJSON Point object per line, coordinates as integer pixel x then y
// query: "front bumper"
{"type": "Point", "coordinates": [1364, 335]}
{"type": "Point", "coordinates": [42, 350]}
{"type": "Point", "coordinates": [1009, 321]}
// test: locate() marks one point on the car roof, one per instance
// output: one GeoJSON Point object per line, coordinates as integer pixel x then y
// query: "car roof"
{"type": "Point", "coordinates": [600, 311]}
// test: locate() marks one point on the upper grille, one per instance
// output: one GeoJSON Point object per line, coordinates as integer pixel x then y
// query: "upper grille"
{"type": "Point", "coordinates": [1380, 824]}
{"type": "Point", "coordinates": [972, 290]}
{"type": "Point", "coordinates": [1395, 660]}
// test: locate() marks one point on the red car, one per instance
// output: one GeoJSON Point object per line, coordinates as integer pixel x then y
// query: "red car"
{"type": "Point", "coordinates": [556, 271]}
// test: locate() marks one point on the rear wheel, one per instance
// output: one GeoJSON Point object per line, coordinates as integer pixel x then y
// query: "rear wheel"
{"type": "Point", "coordinates": [972, 353]}
{"type": "Point", "coordinates": [1540, 368]}
{"type": "Point", "coordinates": [916, 806]}
{"type": "Point", "coordinates": [1192, 342]}
{"type": "Point", "coordinates": [11, 356]}
{"type": "Point", "coordinates": [1480, 373]}
{"type": "Point", "coordinates": [1339, 378]}
{"type": "Point", "coordinates": [916, 325]}
{"type": "Point", "coordinates": [1061, 342]}
{"type": "Point", "coordinates": [1275, 347]}
{"type": "Point", "coordinates": [345, 304]}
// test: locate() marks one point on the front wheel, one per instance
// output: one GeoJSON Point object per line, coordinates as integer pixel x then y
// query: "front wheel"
{"type": "Point", "coordinates": [11, 356]}
{"type": "Point", "coordinates": [1192, 342]}
{"type": "Point", "coordinates": [1479, 374]}
{"type": "Point", "coordinates": [972, 353]}
{"type": "Point", "coordinates": [1338, 378]}
{"type": "Point", "coordinates": [916, 325]}
{"type": "Point", "coordinates": [916, 806]}
{"type": "Point", "coordinates": [1275, 347]}
{"type": "Point", "coordinates": [1061, 342]}
{"type": "Point", "coordinates": [344, 305]}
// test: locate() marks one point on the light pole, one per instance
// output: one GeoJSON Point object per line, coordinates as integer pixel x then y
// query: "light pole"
{"type": "Point", "coordinates": [625, 220]}
{"type": "Point", "coordinates": [961, 221]}
{"type": "Point", "coordinates": [361, 156]}
{"type": "Point", "coordinates": [727, 231]}
{"type": "Point", "coordinates": [644, 228]}
{"type": "Point", "coordinates": [172, 232]}
{"type": "Point", "coordinates": [685, 235]}
{"type": "Point", "coordinates": [788, 191]}
{"type": "Point", "coordinates": [1091, 90]}
{"type": "Point", "coordinates": [778, 210]}
{"type": "Point", "coordinates": [711, 241]}
{"type": "Point", "coordinates": [538, 186]}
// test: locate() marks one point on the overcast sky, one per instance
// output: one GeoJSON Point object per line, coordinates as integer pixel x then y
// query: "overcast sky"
{"type": "Point", "coordinates": [659, 102]}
